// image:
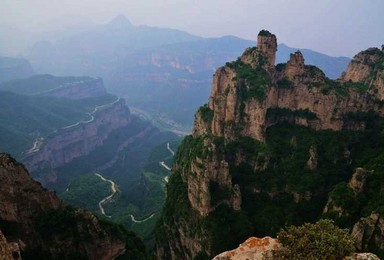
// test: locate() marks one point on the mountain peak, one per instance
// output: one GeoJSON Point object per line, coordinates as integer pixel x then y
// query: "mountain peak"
{"type": "Point", "coordinates": [120, 21]}
{"type": "Point", "coordinates": [267, 45]}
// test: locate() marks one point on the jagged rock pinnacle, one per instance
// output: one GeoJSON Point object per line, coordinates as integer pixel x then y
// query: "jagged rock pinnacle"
{"type": "Point", "coordinates": [295, 65]}
{"type": "Point", "coordinates": [267, 45]}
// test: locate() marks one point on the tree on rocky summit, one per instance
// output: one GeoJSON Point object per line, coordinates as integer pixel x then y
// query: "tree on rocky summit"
{"type": "Point", "coordinates": [322, 240]}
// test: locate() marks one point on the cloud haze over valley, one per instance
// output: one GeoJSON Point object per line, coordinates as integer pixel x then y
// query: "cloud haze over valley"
{"type": "Point", "coordinates": [337, 28]}
{"type": "Point", "coordinates": [177, 129]}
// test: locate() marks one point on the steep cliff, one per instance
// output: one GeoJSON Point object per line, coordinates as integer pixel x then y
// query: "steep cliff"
{"type": "Point", "coordinates": [78, 139]}
{"type": "Point", "coordinates": [36, 223]}
{"type": "Point", "coordinates": [266, 150]}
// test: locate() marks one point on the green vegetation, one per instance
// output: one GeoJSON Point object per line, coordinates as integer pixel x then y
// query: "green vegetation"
{"type": "Point", "coordinates": [361, 87]}
{"type": "Point", "coordinates": [134, 246]}
{"type": "Point", "coordinates": [280, 67]}
{"type": "Point", "coordinates": [86, 191]}
{"type": "Point", "coordinates": [333, 85]}
{"type": "Point", "coordinates": [137, 172]}
{"type": "Point", "coordinates": [314, 72]}
{"type": "Point", "coordinates": [70, 224]}
{"type": "Point", "coordinates": [252, 82]}
{"type": "Point", "coordinates": [277, 187]}
{"type": "Point", "coordinates": [25, 118]}
{"type": "Point", "coordinates": [322, 240]}
{"type": "Point", "coordinates": [265, 33]}
{"type": "Point", "coordinates": [367, 117]}
{"type": "Point", "coordinates": [343, 196]}
{"type": "Point", "coordinates": [206, 113]}
{"type": "Point", "coordinates": [61, 223]}
{"type": "Point", "coordinates": [277, 113]}
{"type": "Point", "coordinates": [227, 228]}
{"type": "Point", "coordinates": [285, 83]}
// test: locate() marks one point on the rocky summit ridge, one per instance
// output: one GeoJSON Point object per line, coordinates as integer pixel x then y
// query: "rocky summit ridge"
{"type": "Point", "coordinates": [248, 91]}
{"type": "Point", "coordinates": [265, 144]}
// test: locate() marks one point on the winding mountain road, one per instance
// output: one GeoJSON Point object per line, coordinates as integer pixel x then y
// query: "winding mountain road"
{"type": "Point", "coordinates": [39, 141]}
{"type": "Point", "coordinates": [170, 150]}
{"type": "Point", "coordinates": [162, 163]}
{"type": "Point", "coordinates": [108, 198]}
{"type": "Point", "coordinates": [92, 114]}
{"type": "Point", "coordinates": [165, 166]}
{"type": "Point", "coordinates": [140, 221]}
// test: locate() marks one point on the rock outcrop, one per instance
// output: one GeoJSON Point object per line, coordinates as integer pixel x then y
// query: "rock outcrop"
{"type": "Point", "coordinates": [37, 223]}
{"type": "Point", "coordinates": [253, 248]}
{"type": "Point", "coordinates": [366, 69]}
{"type": "Point", "coordinates": [356, 185]}
{"type": "Point", "coordinates": [267, 46]}
{"type": "Point", "coordinates": [260, 249]}
{"type": "Point", "coordinates": [5, 249]}
{"type": "Point", "coordinates": [210, 180]}
{"type": "Point", "coordinates": [293, 87]}
{"type": "Point", "coordinates": [227, 161]}
{"type": "Point", "coordinates": [363, 256]}
{"type": "Point", "coordinates": [369, 231]}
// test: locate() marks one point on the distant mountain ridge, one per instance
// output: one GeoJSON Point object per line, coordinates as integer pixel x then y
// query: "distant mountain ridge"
{"type": "Point", "coordinates": [14, 68]}
{"type": "Point", "coordinates": [163, 72]}
{"type": "Point", "coordinates": [48, 85]}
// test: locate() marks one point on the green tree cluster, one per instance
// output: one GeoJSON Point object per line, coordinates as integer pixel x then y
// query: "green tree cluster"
{"type": "Point", "coordinates": [322, 240]}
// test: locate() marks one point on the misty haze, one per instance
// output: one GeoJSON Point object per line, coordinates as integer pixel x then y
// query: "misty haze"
{"type": "Point", "coordinates": [191, 129]}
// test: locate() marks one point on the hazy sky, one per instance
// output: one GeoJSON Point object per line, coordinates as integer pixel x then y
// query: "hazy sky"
{"type": "Point", "coordinates": [335, 27]}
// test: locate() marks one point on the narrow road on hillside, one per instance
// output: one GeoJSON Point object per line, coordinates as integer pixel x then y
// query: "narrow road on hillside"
{"type": "Point", "coordinates": [36, 146]}
{"type": "Point", "coordinates": [92, 114]}
{"type": "Point", "coordinates": [108, 198]}
{"type": "Point", "coordinates": [39, 141]}
{"type": "Point", "coordinates": [165, 166]}
{"type": "Point", "coordinates": [140, 221]}
{"type": "Point", "coordinates": [170, 150]}
{"type": "Point", "coordinates": [162, 163]}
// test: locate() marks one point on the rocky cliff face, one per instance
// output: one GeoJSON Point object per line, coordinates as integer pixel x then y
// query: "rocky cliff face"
{"type": "Point", "coordinates": [228, 169]}
{"type": "Point", "coordinates": [293, 87]}
{"type": "Point", "coordinates": [79, 139]}
{"type": "Point", "coordinates": [369, 230]}
{"type": "Point", "coordinates": [35, 222]}
{"type": "Point", "coordinates": [366, 69]}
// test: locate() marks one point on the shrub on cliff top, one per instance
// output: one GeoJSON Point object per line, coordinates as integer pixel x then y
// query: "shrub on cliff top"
{"type": "Point", "coordinates": [322, 240]}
